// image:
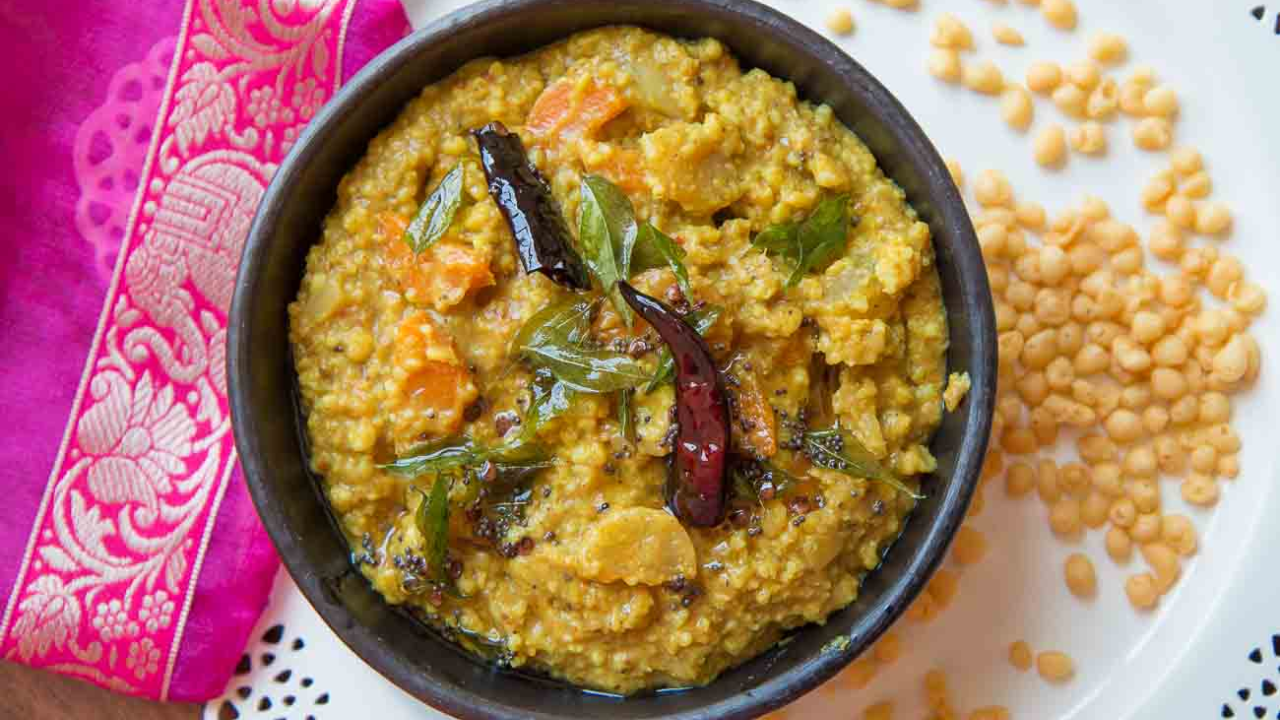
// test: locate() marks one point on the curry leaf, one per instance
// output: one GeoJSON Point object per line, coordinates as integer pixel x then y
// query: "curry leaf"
{"type": "Point", "coordinates": [781, 479]}
{"type": "Point", "coordinates": [822, 236]}
{"type": "Point", "coordinates": [812, 244]}
{"type": "Point", "coordinates": [448, 458]}
{"type": "Point", "coordinates": [437, 212]}
{"type": "Point", "coordinates": [514, 461]}
{"type": "Point", "coordinates": [607, 233]}
{"type": "Point", "coordinates": [432, 519]}
{"type": "Point", "coordinates": [437, 458]}
{"type": "Point", "coordinates": [555, 339]}
{"type": "Point", "coordinates": [742, 486]}
{"type": "Point", "coordinates": [588, 370]}
{"type": "Point", "coordinates": [835, 449]}
{"type": "Point", "coordinates": [751, 476]}
{"type": "Point", "coordinates": [625, 423]}
{"type": "Point", "coordinates": [549, 401]}
{"type": "Point", "coordinates": [778, 239]}
{"type": "Point", "coordinates": [655, 249]}
{"type": "Point", "coordinates": [701, 320]}
{"type": "Point", "coordinates": [567, 321]}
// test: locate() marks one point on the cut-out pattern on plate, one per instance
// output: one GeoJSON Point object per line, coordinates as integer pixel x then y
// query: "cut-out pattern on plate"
{"type": "Point", "coordinates": [287, 692]}
{"type": "Point", "coordinates": [1258, 701]}
{"type": "Point", "coordinates": [1259, 13]}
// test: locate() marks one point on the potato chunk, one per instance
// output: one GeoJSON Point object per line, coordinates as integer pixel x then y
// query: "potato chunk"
{"type": "Point", "coordinates": [638, 546]}
{"type": "Point", "coordinates": [693, 164]}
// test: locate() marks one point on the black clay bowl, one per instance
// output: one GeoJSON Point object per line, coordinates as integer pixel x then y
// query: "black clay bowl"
{"type": "Point", "coordinates": [267, 424]}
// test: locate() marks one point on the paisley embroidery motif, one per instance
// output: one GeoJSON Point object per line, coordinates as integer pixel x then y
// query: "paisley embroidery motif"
{"type": "Point", "coordinates": [113, 557]}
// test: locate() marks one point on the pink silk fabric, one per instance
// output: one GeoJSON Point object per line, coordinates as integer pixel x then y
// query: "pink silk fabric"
{"type": "Point", "coordinates": [138, 145]}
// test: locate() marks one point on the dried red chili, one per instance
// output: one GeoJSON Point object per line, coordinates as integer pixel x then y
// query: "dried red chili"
{"type": "Point", "coordinates": [702, 413]}
{"type": "Point", "coordinates": [542, 236]}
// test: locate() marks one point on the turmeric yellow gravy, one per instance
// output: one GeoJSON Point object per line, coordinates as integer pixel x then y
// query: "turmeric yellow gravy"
{"type": "Point", "coordinates": [596, 582]}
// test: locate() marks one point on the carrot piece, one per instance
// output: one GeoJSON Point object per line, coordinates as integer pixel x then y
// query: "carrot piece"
{"type": "Point", "coordinates": [551, 110]}
{"type": "Point", "coordinates": [419, 339]}
{"type": "Point", "coordinates": [442, 276]}
{"type": "Point", "coordinates": [624, 168]}
{"type": "Point", "coordinates": [451, 271]}
{"type": "Point", "coordinates": [392, 227]}
{"type": "Point", "coordinates": [437, 386]}
{"type": "Point", "coordinates": [598, 106]}
{"type": "Point", "coordinates": [564, 112]}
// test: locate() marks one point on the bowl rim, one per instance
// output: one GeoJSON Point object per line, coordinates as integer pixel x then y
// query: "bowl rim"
{"type": "Point", "coordinates": [967, 264]}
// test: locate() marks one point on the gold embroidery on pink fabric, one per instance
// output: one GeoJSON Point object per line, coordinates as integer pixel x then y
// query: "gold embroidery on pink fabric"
{"type": "Point", "coordinates": [112, 560]}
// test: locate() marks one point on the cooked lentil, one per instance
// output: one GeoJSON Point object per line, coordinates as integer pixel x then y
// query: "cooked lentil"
{"type": "Point", "coordinates": [1007, 35]}
{"type": "Point", "coordinates": [1055, 666]}
{"type": "Point", "coordinates": [840, 21]}
{"type": "Point", "coordinates": [1020, 656]}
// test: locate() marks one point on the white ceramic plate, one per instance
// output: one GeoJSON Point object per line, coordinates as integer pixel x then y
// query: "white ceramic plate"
{"type": "Point", "coordinates": [1192, 655]}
